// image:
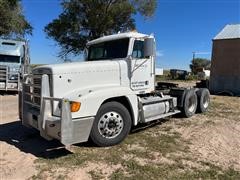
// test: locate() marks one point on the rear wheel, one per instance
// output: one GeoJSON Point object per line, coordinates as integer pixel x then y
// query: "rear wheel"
{"type": "Point", "coordinates": [190, 103]}
{"type": "Point", "coordinates": [203, 100]}
{"type": "Point", "coordinates": [111, 125]}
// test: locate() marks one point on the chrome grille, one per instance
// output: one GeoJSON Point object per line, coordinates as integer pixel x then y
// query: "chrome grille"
{"type": "Point", "coordinates": [27, 91]}
{"type": "Point", "coordinates": [36, 80]}
{"type": "Point", "coordinates": [32, 90]}
{"type": "Point", "coordinates": [37, 90]}
{"type": "Point", "coordinates": [3, 73]}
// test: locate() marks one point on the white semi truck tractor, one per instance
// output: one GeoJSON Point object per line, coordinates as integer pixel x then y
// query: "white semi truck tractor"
{"type": "Point", "coordinates": [105, 96]}
{"type": "Point", "coordinates": [14, 61]}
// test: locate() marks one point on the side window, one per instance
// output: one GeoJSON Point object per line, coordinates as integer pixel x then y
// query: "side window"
{"type": "Point", "coordinates": [138, 49]}
{"type": "Point", "coordinates": [97, 52]}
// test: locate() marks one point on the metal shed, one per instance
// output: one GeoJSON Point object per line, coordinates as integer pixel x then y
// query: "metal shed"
{"type": "Point", "coordinates": [225, 66]}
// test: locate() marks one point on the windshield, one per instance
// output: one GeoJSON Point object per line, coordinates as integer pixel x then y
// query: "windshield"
{"type": "Point", "coordinates": [109, 50]}
{"type": "Point", "coordinates": [9, 59]}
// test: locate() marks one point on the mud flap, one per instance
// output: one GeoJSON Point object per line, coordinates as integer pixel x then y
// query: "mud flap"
{"type": "Point", "coordinates": [74, 130]}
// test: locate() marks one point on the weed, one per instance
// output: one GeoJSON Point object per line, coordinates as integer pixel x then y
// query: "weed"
{"type": "Point", "coordinates": [165, 154]}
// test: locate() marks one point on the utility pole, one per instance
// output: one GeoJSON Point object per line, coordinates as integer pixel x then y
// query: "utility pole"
{"type": "Point", "coordinates": [193, 55]}
{"type": "Point", "coordinates": [199, 53]}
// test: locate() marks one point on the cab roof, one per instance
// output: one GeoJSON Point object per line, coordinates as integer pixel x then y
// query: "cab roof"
{"type": "Point", "coordinates": [11, 47]}
{"type": "Point", "coordinates": [117, 36]}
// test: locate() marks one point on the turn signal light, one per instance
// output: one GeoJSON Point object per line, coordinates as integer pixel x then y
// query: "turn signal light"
{"type": "Point", "coordinates": [75, 106]}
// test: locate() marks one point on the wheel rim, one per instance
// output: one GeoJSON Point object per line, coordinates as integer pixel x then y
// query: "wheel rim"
{"type": "Point", "coordinates": [191, 104]}
{"type": "Point", "coordinates": [205, 102]}
{"type": "Point", "coordinates": [110, 125]}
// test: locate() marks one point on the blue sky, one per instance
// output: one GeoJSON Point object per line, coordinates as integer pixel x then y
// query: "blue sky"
{"type": "Point", "coordinates": [180, 27]}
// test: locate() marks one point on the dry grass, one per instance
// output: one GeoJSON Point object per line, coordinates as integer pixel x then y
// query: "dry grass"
{"type": "Point", "coordinates": [206, 146]}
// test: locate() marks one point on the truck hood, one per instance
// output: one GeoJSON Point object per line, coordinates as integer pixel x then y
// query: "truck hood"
{"type": "Point", "coordinates": [76, 67]}
{"type": "Point", "coordinates": [69, 77]}
{"type": "Point", "coordinates": [81, 78]}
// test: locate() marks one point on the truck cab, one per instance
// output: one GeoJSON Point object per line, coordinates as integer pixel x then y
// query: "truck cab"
{"type": "Point", "coordinates": [130, 48]}
{"type": "Point", "coordinates": [104, 96]}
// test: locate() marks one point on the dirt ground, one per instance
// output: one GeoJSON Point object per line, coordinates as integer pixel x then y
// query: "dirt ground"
{"type": "Point", "coordinates": [206, 146]}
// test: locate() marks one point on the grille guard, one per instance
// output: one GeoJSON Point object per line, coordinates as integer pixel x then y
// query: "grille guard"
{"type": "Point", "coordinates": [66, 129]}
{"type": "Point", "coordinates": [6, 83]}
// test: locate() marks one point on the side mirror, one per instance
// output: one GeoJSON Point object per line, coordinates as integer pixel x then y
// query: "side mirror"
{"type": "Point", "coordinates": [149, 47]}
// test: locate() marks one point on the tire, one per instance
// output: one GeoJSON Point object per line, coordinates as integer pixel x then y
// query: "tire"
{"type": "Point", "coordinates": [189, 103]}
{"type": "Point", "coordinates": [111, 125]}
{"type": "Point", "coordinates": [203, 100]}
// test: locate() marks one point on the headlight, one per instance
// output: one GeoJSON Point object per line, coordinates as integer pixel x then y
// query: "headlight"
{"type": "Point", "coordinates": [13, 77]}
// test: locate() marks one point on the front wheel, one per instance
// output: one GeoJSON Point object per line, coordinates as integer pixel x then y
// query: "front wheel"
{"type": "Point", "coordinates": [111, 125]}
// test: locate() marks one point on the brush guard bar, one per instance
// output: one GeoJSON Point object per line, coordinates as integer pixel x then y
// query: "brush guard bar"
{"type": "Point", "coordinates": [64, 128]}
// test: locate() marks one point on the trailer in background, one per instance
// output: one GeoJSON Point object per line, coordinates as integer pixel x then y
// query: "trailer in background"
{"type": "Point", "coordinates": [159, 71]}
{"type": "Point", "coordinates": [178, 74]}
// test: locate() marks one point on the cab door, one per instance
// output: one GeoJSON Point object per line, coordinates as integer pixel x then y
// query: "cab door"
{"type": "Point", "coordinates": [142, 75]}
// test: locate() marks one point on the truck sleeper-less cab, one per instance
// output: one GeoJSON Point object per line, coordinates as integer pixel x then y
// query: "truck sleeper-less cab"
{"type": "Point", "coordinates": [105, 96]}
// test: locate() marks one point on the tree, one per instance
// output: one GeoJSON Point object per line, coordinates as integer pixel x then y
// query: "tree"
{"type": "Point", "coordinates": [84, 20]}
{"type": "Point", "coordinates": [12, 20]}
{"type": "Point", "coordinates": [198, 64]}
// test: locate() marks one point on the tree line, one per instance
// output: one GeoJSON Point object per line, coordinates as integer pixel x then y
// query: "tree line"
{"type": "Point", "coordinates": [81, 21]}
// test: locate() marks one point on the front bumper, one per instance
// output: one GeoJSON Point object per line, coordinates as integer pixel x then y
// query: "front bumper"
{"type": "Point", "coordinates": [64, 128]}
{"type": "Point", "coordinates": [10, 86]}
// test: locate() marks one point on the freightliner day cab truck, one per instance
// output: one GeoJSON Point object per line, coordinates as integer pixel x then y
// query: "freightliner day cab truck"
{"type": "Point", "coordinates": [13, 63]}
{"type": "Point", "coordinates": [105, 96]}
